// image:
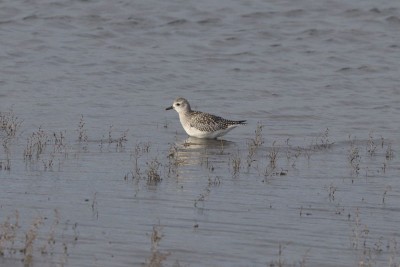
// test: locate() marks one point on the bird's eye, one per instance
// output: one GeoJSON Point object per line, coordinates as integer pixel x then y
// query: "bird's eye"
{"type": "Point", "coordinates": [178, 104]}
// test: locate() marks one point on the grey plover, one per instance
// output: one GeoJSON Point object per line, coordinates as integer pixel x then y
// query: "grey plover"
{"type": "Point", "coordinates": [199, 124]}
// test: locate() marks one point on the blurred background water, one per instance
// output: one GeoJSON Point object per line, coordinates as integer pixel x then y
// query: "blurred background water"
{"type": "Point", "coordinates": [296, 68]}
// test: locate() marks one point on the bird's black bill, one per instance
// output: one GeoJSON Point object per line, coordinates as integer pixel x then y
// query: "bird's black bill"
{"type": "Point", "coordinates": [168, 108]}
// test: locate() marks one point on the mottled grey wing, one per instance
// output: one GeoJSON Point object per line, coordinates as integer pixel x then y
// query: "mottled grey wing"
{"type": "Point", "coordinates": [207, 122]}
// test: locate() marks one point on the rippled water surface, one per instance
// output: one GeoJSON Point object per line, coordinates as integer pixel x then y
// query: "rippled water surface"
{"type": "Point", "coordinates": [95, 172]}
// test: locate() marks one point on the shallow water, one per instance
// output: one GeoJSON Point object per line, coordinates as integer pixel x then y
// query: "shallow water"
{"type": "Point", "coordinates": [298, 68]}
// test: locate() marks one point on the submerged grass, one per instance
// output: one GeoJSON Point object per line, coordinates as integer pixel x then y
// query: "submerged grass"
{"type": "Point", "coordinates": [156, 257]}
{"type": "Point", "coordinates": [254, 144]}
{"type": "Point", "coordinates": [24, 245]}
{"type": "Point", "coordinates": [30, 238]}
{"type": "Point", "coordinates": [368, 249]}
{"type": "Point", "coordinates": [44, 148]}
{"type": "Point", "coordinates": [236, 164]}
{"type": "Point", "coordinates": [9, 123]}
{"type": "Point", "coordinates": [323, 141]}
{"type": "Point", "coordinates": [8, 235]}
{"type": "Point", "coordinates": [282, 262]}
{"type": "Point", "coordinates": [354, 157]}
{"type": "Point", "coordinates": [174, 161]}
{"type": "Point", "coordinates": [153, 172]}
{"type": "Point", "coordinates": [212, 182]}
{"type": "Point", "coordinates": [118, 141]}
{"type": "Point", "coordinates": [36, 144]}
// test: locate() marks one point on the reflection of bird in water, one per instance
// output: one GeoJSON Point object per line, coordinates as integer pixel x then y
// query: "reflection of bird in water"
{"type": "Point", "coordinates": [197, 143]}
{"type": "Point", "coordinates": [202, 125]}
{"type": "Point", "coordinates": [195, 151]}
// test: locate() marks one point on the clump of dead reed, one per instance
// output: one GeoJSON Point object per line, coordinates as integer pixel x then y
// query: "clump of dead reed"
{"type": "Point", "coordinates": [273, 155]}
{"type": "Point", "coordinates": [174, 161]}
{"type": "Point", "coordinates": [354, 157]}
{"type": "Point", "coordinates": [36, 144]}
{"type": "Point", "coordinates": [153, 172]}
{"type": "Point", "coordinates": [145, 169]}
{"type": "Point", "coordinates": [8, 235]}
{"type": "Point", "coordinates": [254, 144]}
{"type": "Point", "coordinates": [30, 238]}
{"type": "Point", "coordinates": [16, 243]}
{"type": "Point", "coordinates": [5, 165]}
{"type": "Point", "coordinates": [371, 146]}
{"type": "Point", "coordinates": [139, 150]}
{"type": "Point", "coordinates": [212, 182]}
{"type": "Point", "coordinates": [59, 142]}
{"type": "Point", "coordinates": [369, 250]}
{"type": "Point", "coordinates": [258, 139]}
{"type": "Point", "coordinates": [281, 262]}
{"type": "Point", "coordinates": [118, 141]}
{"type": "Point", "coordinates": [82, 132]}
{"type": "Point", "coordinates": [156, 258]}
{"type": "Point", "coordinates": [236, 164]}
{"type": "Point", "coordinates": [389, 152]}
{"type": "Point", "coordinates": [323, 141]}
{"type": "Point", "coordinates": [48, 246]}
{"type": "Point", "coordinates": [45, 147]}
{"type": "Point", "coordinates": [9, 123]}
{"type": "Point", "coordinates": [272, 159]}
